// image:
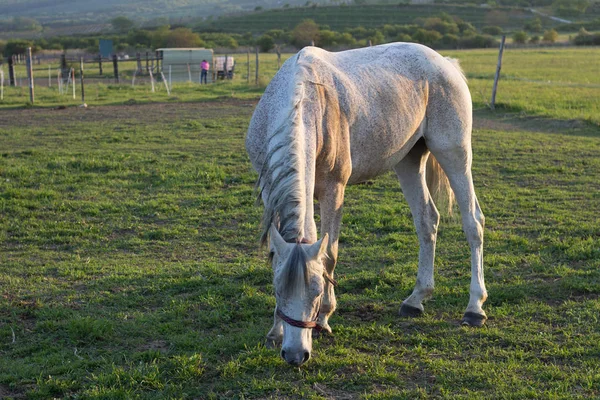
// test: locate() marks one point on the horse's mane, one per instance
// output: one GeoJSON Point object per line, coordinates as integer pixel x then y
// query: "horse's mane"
{"type": "Point", "coordinates": [294, 274]}
{"type": "Point", "coordinates": [281, 177]}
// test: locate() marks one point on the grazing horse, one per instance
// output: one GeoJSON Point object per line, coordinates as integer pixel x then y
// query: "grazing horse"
{"type": "Point", "coordinates": [327, 120]}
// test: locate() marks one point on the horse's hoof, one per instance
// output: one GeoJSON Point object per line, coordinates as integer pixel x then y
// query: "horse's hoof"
{"type": "Point", "coordinates": [473, 319]}
{"type": "Point", "coordinates": [410, 311]}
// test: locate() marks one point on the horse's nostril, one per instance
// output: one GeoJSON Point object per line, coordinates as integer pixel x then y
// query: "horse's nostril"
{"type": "Point", "coordinates": [306, 356]}
{"type": "Point", "coordinates": [283, 354]}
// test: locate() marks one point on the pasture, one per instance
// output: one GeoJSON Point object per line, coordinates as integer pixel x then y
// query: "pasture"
{"type": "Point", "coordinates": [130, 267]}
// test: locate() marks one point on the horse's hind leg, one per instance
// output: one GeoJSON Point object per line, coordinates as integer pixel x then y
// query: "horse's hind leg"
{"type": "Point", "coordinates": [411, 174]}
{"type": "Point", "coordinates": [456, 163]}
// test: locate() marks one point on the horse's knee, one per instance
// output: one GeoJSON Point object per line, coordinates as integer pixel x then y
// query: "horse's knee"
{"type": "Point", "coordinates": [429, 225]}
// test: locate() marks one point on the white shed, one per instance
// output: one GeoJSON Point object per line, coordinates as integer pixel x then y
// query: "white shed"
{"type": "Point", "coordinates": [184, 63]}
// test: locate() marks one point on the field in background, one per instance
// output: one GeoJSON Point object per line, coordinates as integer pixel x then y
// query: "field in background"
{"type": "Point", "coordinates": [560, 82]}
{"type": "Point", "coordinates": [130, 266]}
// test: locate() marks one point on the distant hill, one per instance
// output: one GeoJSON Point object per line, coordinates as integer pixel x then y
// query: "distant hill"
{"type": "Point", "coordinates": [94, 11]}
{"type": "Point", "coordinates": [374, 15]}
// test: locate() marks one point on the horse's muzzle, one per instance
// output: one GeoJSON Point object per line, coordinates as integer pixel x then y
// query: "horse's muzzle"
{"type": "Point", "coordinates": [295, 358]}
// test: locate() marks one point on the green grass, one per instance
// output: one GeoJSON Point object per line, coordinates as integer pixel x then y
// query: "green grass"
{"type": "Point", "coordinates": [557, 83]}
{"type": "Point", "coordinates": [110, 93]}
{"type": "Point", "coordinates": [552, 82]}
{"type": "Point", "coordinates": [129, 264]}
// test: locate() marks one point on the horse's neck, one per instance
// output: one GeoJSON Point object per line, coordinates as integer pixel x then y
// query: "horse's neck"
{"type": "Point", "coordinates": [293, 181]}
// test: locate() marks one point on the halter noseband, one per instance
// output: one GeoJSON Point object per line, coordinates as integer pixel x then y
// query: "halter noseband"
{"type": "Point", "coordinates": [300, 324]}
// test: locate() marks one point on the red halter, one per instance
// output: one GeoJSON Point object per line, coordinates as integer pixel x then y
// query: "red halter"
{"type": "Point", "coordinates": [300, 324]}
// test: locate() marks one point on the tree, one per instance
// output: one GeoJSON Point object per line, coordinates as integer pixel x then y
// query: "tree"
{"type": "Point", "coordinates": [18, 46]}
{"type": "Point", "coordinates": [550, 36]}
{"type": "Point", "coordinates": [305, 32]}
{"type": "Point", "coordinates": [183, 37]}
{"type": "Point", "coordinates": [426, 37]}
{"type": "Point", "coordinates": [492, 30]}
{"type": "Point", "coordinates": [520, 37]}
{"type": "Point", "coordinates": [140, 38]}
{"type": "Point", "coordinates": [534, 25]}
{"type": "Point", "coordinates": [265, 43]}
{"type": "Point", "coordinates": [122, 24]}
{"type": "Point", "coordinates": [376, 38]}
{"type": "Point", "coordinates": [570, 8]}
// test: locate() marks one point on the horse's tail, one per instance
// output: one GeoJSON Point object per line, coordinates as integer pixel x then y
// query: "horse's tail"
{"type": "Point", "coordinates": [456, 64]}
{"type": "Point", "coordinates": [439, 186]}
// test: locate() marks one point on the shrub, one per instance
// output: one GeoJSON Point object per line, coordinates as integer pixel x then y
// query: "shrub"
{"type": "Point", "coordinates": [584, 38]}
{"type": "Point", "coordinates": [305, 32]}
{"type": "Point", "coordinates": [376, 38]}
{"type": "Point", "coordinates": [441, 26]}
{"type": "Point", "coordinates": [403, 37]}
{"type": "Point", "coordinates": [477, 41]}
{"type": "Point", "coordinates": [265, 43]}
{"type": "Point", "coordinates": [449, 40]}
{"type": "Point", "coordinates": [520, 37]}
{"type": "Point", "coordinates": [426, 37]}
{"type": "Point", "coordinates": [550, 36]}
{"type": "Point", "coordinates": [534, 25]}
{"type": "Point", "coordinates": [492, 30]}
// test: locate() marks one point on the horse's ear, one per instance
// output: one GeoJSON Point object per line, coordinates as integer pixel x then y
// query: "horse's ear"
{"type": "Point", "coordinates": [277, 244]}
{"type": "Point", "coordinates": [318, 249]}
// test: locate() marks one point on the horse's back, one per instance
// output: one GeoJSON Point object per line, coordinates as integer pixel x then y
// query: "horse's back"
{"type": "Point", "coordinates": [386, 93]}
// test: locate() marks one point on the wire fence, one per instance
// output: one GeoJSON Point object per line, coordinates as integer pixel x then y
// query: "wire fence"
{"type": "Point", "coordinates": [62, 73]}
{"type": "Point", "coordinates": [564, 78]}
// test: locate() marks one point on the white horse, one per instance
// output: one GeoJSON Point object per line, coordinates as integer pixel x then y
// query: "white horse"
{"type": "Point", "coordinates": [331, 119]}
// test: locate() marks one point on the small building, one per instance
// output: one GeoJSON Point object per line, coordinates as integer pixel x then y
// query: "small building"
{"type": "Point", "coordinates": [184, 63]}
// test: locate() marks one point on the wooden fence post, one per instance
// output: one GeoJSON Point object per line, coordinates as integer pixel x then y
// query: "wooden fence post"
{"type": "Point", "coordinates": [256, 74]}
{"type": "Point", "coordinates": [158, 65]}
{"type": "Point", "coordinates": [497, 77]}
{"type": "Point", "coordinates": [11, 72]}
{"type": "Point", "coordinates": [278, 50]}
{"type": "Point", "coordinates": [73, 82]}
{"type": "Point", "coordinates": [100, 63]}
{"type": "Point", "coordinates": [29, 63]}
{"type": "Point", "coordinates": [248, 59]}
{"type": "Point", "coordinates": [116, 68]}
{"type": "Point", "coordinates": [81, 77]}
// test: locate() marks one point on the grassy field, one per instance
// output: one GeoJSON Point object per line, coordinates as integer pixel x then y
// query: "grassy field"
{"type": "Point", "coordinates": [129, 263]}
{"type": "Point", "coordinates": [554, 82]}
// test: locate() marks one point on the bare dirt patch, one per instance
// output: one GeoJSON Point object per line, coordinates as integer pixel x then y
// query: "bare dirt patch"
{"type": "Point", "coordinates": [514, 122]}
{"type": "Point", "coordinates": [149, 113]}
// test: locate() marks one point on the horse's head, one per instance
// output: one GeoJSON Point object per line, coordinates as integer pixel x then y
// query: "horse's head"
{"type": "Point", "coordinates": [299, 285]}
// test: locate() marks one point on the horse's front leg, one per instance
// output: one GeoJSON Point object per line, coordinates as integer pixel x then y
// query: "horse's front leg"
{"type": "Point", "coordinates": [331, 200]}
{"type": "Point", "coordinates": [275, 335]}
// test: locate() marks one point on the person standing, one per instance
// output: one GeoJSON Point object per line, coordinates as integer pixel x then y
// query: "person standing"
{"type": "Point", "coordinates": [204, 66]}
